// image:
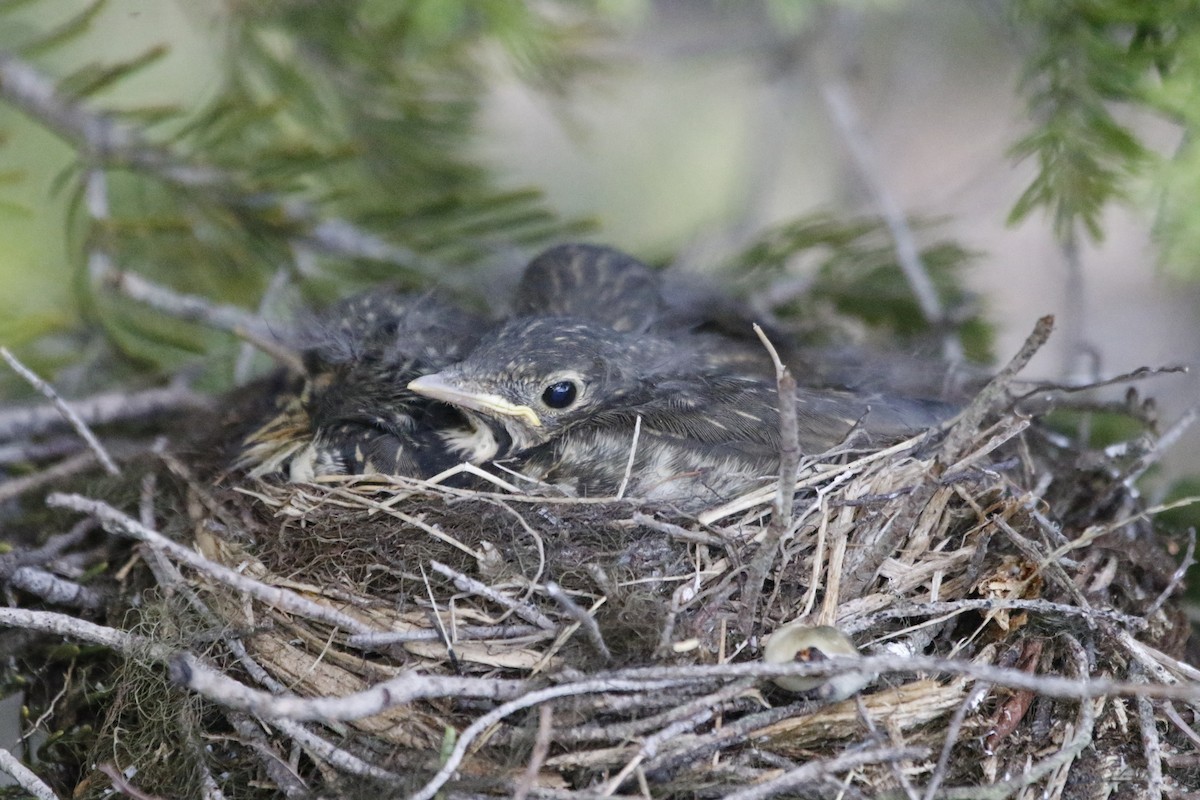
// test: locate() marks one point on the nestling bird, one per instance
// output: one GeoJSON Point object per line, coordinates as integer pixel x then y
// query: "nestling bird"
{"type": "Point", "coordinates": [591, 282]}
{"type": "Point", "coordinates": [561, 398]}
{"type": "Point", "coordinates": [355, 413]}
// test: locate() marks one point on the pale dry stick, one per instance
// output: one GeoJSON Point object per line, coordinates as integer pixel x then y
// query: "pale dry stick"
{"type": "Point", "coordinates": [581, 616]}
{"type": "Point", "coordinates": [677, 531]}
{"type": "Point", "coordinates": [123, 642]}
{"type": "Point", "coordinates": [814, 771]}
{"type": "Point", "coordinates": [64, 408]}
{"type": "Point", "coordinates": [53, 589]}
{"type": "Point", "coordinates": [953, 731]}
{"type": "Point", "coordinates": [278, 769]}
{"type": "Point", "coordinates": [954, 607]}
{"type": "Point", "coordinates": [908, 255]}
{"type": "Point", "coordinates": [443, 635]}
{"type": "Point", "coordinates": [637, 433]}
{"type": "Point", "coordinates": [120, 524]}
{"type": "Point", "coordinates": [819, 473]}
{"type": "Point", "coordinates": [1180, 723]}
{"type": "Point", "coordinates": [319, 747]}
{"type": "Point", "coordinates": [1151, 747]}
{"type": "Point", "coordinates": [122, 784]}
{"type": "Point", "coordinates": [1094, 532]}
{"type": "Point", "coordinates": [620, 731]}
{"type": "Point", "coordinates": [370, 641]}
{"type": "Point", "coordinates": [781, 511]}
{"type": "Point", "coordinates": [465, 583]}
{"type": "Point", "coordinates": [651, 744]}
{"type": "Point", "coordinates": [533, 534]}
{"type": "Point", "coordinates": [469, 734]}
{"type": "Point", "coordinates": [411, 520]}
{"type": "Point", "coordinates": [469, 469]}
{"type": "Point", "coordinates": [1162, 446]}
{"type": "Point", "coordinates": [541, 749]}
{"type": "Point", "coordinates": [26, 778]}
{"type": "Point", "coordinates": [170, 578]}
{"type": "Point", "coordinates": [189, 672]}
{"type": "Point", "coordinates": [1048, 685]}
{"type": "Point", "coordinates": [1048, 564]}
{"type": "Point", "coordinates": [100, 409]}
{"type": "Point", "coordinates": [1178, 577]}
{"type": "Point", "coordinates": [864, 717]}
{"type": "Point", "coordinates": [63, 469]}
{"type": "Point", "coordinates": [993, 394]}
{"type": "Point", "coordinates": [835, 569]}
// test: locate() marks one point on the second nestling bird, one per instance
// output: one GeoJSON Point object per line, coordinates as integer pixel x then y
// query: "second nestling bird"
{"type": "Point", "coordinates": [562, 397]}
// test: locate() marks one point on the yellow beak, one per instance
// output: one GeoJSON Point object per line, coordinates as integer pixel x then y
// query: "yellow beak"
{"type": "Point", "coordinates": [438, 388]}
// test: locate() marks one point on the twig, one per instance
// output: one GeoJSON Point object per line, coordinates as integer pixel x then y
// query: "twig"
{"type": "Point", "coordinates": [637, 432]}
{"type": "Point", "coordinates": [369, 641]}
{"type": "Point", "coordinates": [781, 515]}
{"type": "Point", "coordinates": [897, 769]}
{"type": "Point", "coordinates": [278, 769]}
{"type": "Point", "coordinates": [1177, 578]}
{"type": "Point", "coordinates": [122, 784]}
{"type": "Point", "coordinates": [187, 671]}
{"type": "Point", "coordinates": [953, 731]}
{"type": "Point", "coordinates": [992, 394]}
{"type": "Point", "coordinates": [620, 731]}
{"type": "Point", "coordinates": [1180, 723]}
{"type": "Point", "coordinates": [63, 408]}
{"type": "Point", "coordinates": [537, 757]}
{"type": "Point", "coordinates": [581, 616]}
{"type": "Point", "coordinates": [849, 124]}
{"type": "Point", "coordinates": [468, 584]}
{"type": "Point", "coordinates": [115, 522]}
{"type": "Point", "coordinates": [187, 307]}
{"type": "Point", "coordinates": [814, 771]}
{"type": "Point", "coordinates": [951, 607]}
{"type": "Point", "coordinates": [1151, 747]}
{"type": "Point", "coordinates": [26, 778]}
{"type": "Point", "coordinates": [331, 754]}
{"type": "Point", "coordinates": [651, 744]}
{"type": "Point", "coordinates": [123, 642]}
{"type": "Point", "coordinates": [53, 589]}
{"type": "Point", "coordinates": [1048, 685]}
{"type": "Point", "coordinates": [677, 531]}
{"type": "Point", "coordinates": [100, 409]}
{"type": "Point", "coordinates": [486, 721]}
{"type": "Point", "coordinates": [53, 474]}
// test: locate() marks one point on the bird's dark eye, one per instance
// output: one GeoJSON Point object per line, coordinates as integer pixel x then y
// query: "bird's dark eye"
{"type": "Point", "coordinates": [559, 395]}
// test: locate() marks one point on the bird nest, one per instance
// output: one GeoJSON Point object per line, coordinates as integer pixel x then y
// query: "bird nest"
{"type": "Point", "coordinates": [1008, 593]}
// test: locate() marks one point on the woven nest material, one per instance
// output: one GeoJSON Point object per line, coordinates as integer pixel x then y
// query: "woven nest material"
{"type": "Point", "coordinates": [622, 644]}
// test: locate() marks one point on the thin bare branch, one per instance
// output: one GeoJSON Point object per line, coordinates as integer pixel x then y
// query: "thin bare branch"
{"type": "Point", "coordinates": [65, 409]}
{"type": "Point", "coordinates": [26, 778]}
{"type": "Point", "coordinates": [845, 116]}
{"type": "Point", "coordinates": [120, 524]}
{"type": "Point", "coordinates": [581, 616]}
{"type": "Point", "coordinates": [100, 409]}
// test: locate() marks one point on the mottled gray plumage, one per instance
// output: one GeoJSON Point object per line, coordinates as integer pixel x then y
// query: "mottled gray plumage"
{"type": "Point", "coordinates": [355, 413]}
{"type": "Point", "coordinates": [591, 282]}
{"type": "Point", "coordinates": [705, 434]}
